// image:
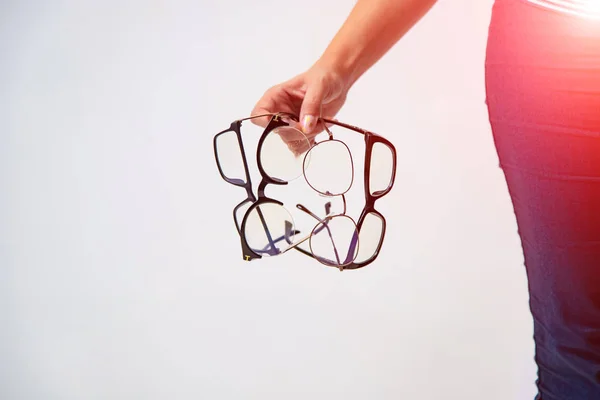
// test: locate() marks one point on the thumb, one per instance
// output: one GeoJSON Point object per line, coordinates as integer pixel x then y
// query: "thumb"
{"type": "Point", "coordinates": [311, 107]}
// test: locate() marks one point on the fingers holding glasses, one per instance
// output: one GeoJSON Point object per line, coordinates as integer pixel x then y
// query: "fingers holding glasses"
{"type": "Point", "coordinates": [296, 141]}
{"type": "Point", "coordinates": [317, 92]}
{"type": "Point", "coordinates": [286, 97]}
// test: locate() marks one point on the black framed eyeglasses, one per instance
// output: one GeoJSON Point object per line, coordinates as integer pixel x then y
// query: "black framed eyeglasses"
{"type": "Point", "coordinates": [266, 227]}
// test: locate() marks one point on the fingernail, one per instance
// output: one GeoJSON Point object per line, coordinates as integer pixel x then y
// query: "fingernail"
{"type": "Point", "coordinates": [308, 123]}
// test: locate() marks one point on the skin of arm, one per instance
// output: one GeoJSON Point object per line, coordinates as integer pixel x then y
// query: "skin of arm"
{"type": "Point", "coordinates": [372, 28]}
{"type": "Point", "coordinates": [369, 31]}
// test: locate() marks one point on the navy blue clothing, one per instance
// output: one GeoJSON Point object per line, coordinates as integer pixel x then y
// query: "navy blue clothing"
{"type": "Point", "coordinates": [543, 97]}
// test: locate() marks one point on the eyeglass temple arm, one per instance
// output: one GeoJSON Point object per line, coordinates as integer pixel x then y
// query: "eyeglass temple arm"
{"type": "Point", "coordinates": [327, 213]}
{"type": "Point", "coordinates": [325, 225]}
{"type": "Point", "coordinates": [353, 243]}
{"type": "Point", "coordinates": [267, 232]}
{"type": "Point", "coordinates": [286, 236]}
{"type": "Point", "coordinates": [347, 126]}
{"type": "Point", "coordinates": [295, 117]}
{"type": "Point", "coordinates": [278, 115]}
{"type": "Point", "coordinates": [289, 233]}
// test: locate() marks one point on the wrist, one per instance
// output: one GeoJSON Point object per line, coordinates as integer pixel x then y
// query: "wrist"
{"type": "Point", "coordinates": [341, 67]}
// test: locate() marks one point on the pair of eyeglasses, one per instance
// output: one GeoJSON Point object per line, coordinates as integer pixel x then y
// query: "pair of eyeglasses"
{"type": "Point", "coordinates": [266, 227]}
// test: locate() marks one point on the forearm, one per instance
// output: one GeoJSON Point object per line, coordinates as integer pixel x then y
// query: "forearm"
{"type": "Point", "coordinates": [371, 29]}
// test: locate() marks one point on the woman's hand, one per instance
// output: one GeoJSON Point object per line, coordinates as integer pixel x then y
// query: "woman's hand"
{"type": "Point", "coordinates": [370, 30]}
{"type": "Point", "coordinates": [318, 92]}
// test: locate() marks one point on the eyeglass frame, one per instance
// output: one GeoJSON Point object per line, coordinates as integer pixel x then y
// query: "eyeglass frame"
{"type": "Point", "coordinates": [278, 120]}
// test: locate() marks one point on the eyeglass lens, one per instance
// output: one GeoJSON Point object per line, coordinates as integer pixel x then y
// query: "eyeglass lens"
{"type": "Point", "coordinates": [371, 235]}
{"type": "Point", "coordinates": [381, 169]}
{"type": "Point", "coordinates": [229, 157]}
{"type": "Point", "coordinates": [329, 170]}
{"type": "Point", "coordinates": [334, 241]}
{"type": "Point", "coordinates": [268, 229]}
{"type": "Point", "coordinates": [282, 153]}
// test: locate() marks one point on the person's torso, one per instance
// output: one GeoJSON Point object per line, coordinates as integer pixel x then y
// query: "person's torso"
{"type": "Point", "coordinates": [582, 8]}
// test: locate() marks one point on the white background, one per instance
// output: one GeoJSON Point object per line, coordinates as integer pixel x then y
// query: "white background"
{"type": "Point", "coordinates": [121, 275]}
